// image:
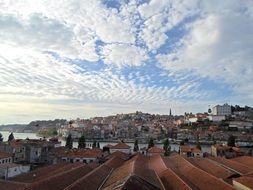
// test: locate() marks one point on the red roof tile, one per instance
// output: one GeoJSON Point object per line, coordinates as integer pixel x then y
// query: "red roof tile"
{"type": "Point", "coordinates": [155, 150]}
{"type": "Point", "coordinates": [4, 155]}
{"type": "Point", "coordinates": [61, 180]}
{"type": "Point", "coordinates": [212, 168]}
{"type": "Point", "coordinates": [232, 165]}
{"type": "Point", "coordinates": [92, 180]}
{"type": "Point", "coordinates": [193, 176]}
{"type": "Point", "coordinates": [45, 172]}
{"type": "Point", "coordinates": [246, 160]}
{"type": "Point", "coordinates": [121, 146]}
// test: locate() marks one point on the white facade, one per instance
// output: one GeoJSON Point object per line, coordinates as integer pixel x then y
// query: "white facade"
{"type": "Point", "coordinates": [193, 119]}
{"type": "Point", "coordinates": [10, 170]}
{"type": "Point", "coordinates": [222, 110]}
{"type": "Point", "coordinates": [216, 118]}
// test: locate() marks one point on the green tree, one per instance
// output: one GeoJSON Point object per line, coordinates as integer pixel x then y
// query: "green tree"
{"type": "Point", "coordinates": [151, 143]}
{"type": "Point", "coordinates": [94, 145]}
{"type": "Point", "coordinates": [166, 147]}
{"type": "Point", "coordinates": [81, 142]}
{"type": "Point", "coordinates": [98, 145]}
{"type": "Point", "coordinates": [136, 146]}
{"type": "Point", "coordinates": [198, 146]}
{"type": "Point", "coordinates": [1, 137]}
{"type": "Point", "coordinates": [69, 142]}
{"type": "Point", "coordinates": [55, 133]}
{"type": "Point", "coordinates": [231, 141]}
{"type": "Point", "coordinates": [11, 137]}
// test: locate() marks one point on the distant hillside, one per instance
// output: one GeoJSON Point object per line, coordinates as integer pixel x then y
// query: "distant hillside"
{"type": "Point", "coordinates": [33, 126]}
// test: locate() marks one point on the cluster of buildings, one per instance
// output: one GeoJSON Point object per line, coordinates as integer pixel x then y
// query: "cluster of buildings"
{"type": "Point", "coordinates": [17, 156]}
{"type": "Point", "coordinates": [122, 126]}
{"type": "Point", "coordinates": [217, 125]}
{"type": "Point", "coordinates": [118, 170]}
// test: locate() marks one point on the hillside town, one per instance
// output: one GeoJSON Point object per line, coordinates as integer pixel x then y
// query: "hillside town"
{"type": "Point", "coordinates": [43, 164]}
{"type": "Point", "coordinates": [210, 127]}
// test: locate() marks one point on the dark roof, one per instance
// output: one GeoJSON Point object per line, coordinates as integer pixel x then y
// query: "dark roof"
{"type": "Point", "coordinates": [45, 172]}
{"type": "Point", "coordinates": [11, 185]}
{"type": "Point", "coordinates": [91, 181]}
{"type": "Point", "coordinates": [61, 180]}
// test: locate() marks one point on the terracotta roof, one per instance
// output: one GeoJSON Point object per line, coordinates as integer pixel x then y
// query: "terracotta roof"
{"type": "Point", "coordinates": [45, 172]}
{"type": "Point", "coordinates": [81, 153]}
{"type": "Point", "coordinates": [16, 143]}
{"type": "Point", "coordinates": [114, 162]}
{"type": "Point", "coordinates": [4, 155]}
{"type": "Point", "coordinates": [121, 146]}
{"type": "Point", "coordinates": [246, 181]}
{"type": "Point", "coordinates": [232, 165]}
{"type": "Point", "coordinates": [157, 164]}
{"type": "Point", "coordinates": [172, 181]}
{"type": "Point", "coordinates": [137, 166]}
{"type": "Point", "coordinates": [212, 168]}
{"type": "Point", "coordinates": [155, 150]}
{"type": "Point", "coordinates": [92, 180]}
{"type": "Point", "coordinates": [61, 180]}
{"type": "Point", "coordinates": [136, 182]}
{"type": "Point", "coordinates": [119, 154]}
{"type": "Point", "coordinates": [193, 176]}
{"type": "Point", "coordinates": [169, 179]}
{"type": "Point", "coordinates": [246, 160]}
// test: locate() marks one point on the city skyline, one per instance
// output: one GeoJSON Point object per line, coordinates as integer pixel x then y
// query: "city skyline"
{"type": "Point", "coordinates": [70, 59]}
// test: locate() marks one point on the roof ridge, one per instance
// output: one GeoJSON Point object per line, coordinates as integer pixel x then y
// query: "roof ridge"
{"type": "Point", "coordinates": [56, 175]}
{"type": "Point", "coordinates": [85, 176]}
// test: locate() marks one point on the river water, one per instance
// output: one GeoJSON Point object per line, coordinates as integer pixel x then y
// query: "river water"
{"type": "Point", "coordinates": [205, 148]}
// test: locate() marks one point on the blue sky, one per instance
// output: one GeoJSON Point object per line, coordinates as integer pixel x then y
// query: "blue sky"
{"type": "Point", "coordinates": [69, 58]}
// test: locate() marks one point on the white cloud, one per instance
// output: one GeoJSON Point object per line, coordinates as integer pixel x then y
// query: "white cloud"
{"type": "Point", "coordinates": [218, 46]}
{"type": "Point", "coordinates": [123, 54]}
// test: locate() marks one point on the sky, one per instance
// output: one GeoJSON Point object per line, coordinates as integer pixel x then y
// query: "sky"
{"type": "Point", "coordinates": [73, 58]}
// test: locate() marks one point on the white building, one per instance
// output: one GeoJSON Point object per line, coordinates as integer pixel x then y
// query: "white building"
{"type": "Point", "coordinates": [222, 110]}
{"type": "Point", "coordinates": [216, 118]}
{"type": "Point", "coordinates": [11, 169]}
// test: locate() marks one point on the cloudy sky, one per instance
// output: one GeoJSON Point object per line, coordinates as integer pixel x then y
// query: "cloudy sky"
{"type": "Point", "coordinates": [72, 58]}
